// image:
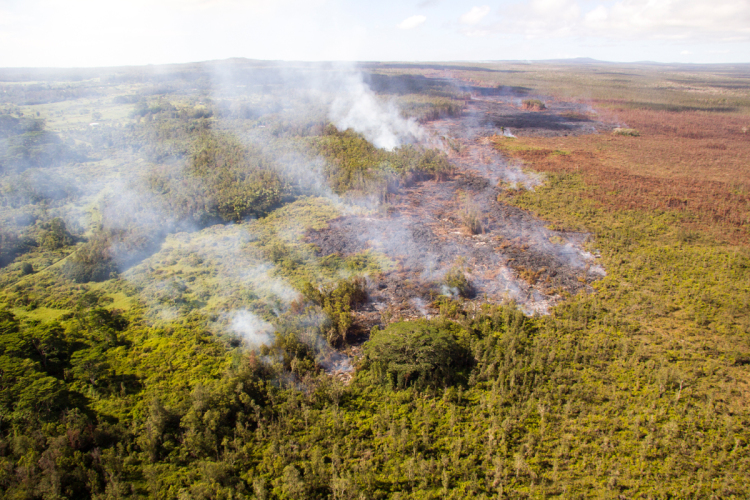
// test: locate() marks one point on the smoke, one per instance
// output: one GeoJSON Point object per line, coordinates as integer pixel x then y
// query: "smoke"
{"type": "Point", "coordinates": [218, 270]}
{"type": "Point", "coordinates": [335, 362]}
{"type": "Point", "coordinates": [449, 291]}
{"type": "Point", "coordinates": [419, 305]}
{"type": "Point", "coordinates": [253, 329]}
{"type": "Point", "coordinates": [358, 108]}
{"type": "Point", "coordinates": [260, 279]}
{"type": "Point", "coordinates": [215, 269]}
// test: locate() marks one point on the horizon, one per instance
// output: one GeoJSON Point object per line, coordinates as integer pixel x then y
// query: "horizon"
{"type": "Point", "coordinates": [580, 60]}
{"type": "Point", "coordinates": [84, 33]}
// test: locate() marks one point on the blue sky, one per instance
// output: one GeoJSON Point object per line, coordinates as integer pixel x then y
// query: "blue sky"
{"type": "Point", "coordinates": [66, 33]}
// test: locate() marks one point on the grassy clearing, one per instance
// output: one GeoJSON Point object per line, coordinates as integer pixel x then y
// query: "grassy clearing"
{"type": "Point", "coordinates": [246, 266]}
{"type": "Point", "coordinates": [279, 240]}
{"type": "Point", "coordinates": [291, 221]}
{"type": "Point", "coordinates": [44, 314]}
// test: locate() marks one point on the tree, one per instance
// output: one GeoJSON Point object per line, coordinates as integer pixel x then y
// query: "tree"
{"type": "Point", "coordinates": [39, 398]}
{"type": "Point", "coordinates": [337, 304]}
{"type": "Point", "coordinates": [55, 235]}
{"type": "Point", "coordinates": [419, 353]}
{"type": "Point", "coordinates": [91, 262]}
{"type": "Point", "coordinates": [90, 365]}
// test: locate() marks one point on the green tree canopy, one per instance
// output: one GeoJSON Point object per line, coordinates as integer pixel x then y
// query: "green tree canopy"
{"type": "Point", "coordinates": [419, 353]}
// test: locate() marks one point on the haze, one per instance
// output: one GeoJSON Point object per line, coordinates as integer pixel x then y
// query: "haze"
{"type": "Point", "coordinates": [86, 33]}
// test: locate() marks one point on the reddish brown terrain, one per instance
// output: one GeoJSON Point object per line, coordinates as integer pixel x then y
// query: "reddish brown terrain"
{"type": "Point", "coordinates": [692, 162]}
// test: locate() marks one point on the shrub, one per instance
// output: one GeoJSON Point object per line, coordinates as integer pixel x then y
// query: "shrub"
{"type": "Point", "coordinates": [55, 235]}
{"type": "Point", "coordinates": [533, 105]}
{"type": "Point", "coordinates": [235, 181]}
{"type": "Point", "coordinates": [337, 304]}
{"type": "Point", "coordinates": [13, 245]}
{"type": "Point", "coordinates": [92, 262]}
{"type": "Point", "coordinates": [354, 164]}
{"type": "Point", "coordinates": [456, 283]}
{"type": "Point", "coordinates": [471, 219]}
{"type": "Point", "coordinates": [626, 131]}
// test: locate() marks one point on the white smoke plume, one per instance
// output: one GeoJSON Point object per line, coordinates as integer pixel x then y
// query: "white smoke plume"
{"type": "Point", "coordinates": [253, 329]}
{"type": "Point", "coordinates": [356, 107]}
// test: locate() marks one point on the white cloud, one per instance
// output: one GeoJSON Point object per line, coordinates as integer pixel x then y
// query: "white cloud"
{"type": "Point", "coordinates": [471, 21]}
{"type": "Point", "coordinates": [475, 15]}
{"type": "Point", "coordinates": [722, 20]}
{"type": "Point", "coordinates": [597, 15]}
{"type": "Point", "coordinates": [699, 20]}
{"type": "Point", "coordinates": [543, 18]}
{"type": "Point", "coordinates": [124, 32]}
{"type": "Point", "coordinates": [556, 9]}
{"type": "Point", "coordinates": [411, 22]}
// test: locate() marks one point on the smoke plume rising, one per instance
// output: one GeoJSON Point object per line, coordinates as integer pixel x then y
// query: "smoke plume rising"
{"type": "Point", "coordinates": [358, 108]}
{"type": "Point", "coordinates": [253, 329]}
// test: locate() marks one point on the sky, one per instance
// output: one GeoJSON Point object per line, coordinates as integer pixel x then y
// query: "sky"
{"type": "Point", "coordinates": [92, 33]}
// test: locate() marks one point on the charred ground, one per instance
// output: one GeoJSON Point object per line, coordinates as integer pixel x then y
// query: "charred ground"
{"type": "Point", "coordinates": [433, 226]}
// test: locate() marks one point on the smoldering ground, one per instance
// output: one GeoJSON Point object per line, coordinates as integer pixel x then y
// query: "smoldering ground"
{"type": "Point", "coordinates": [182, 264]}
{"type": "Point", "coordinates": [113, 193]}
{"type": "Point", "coordinates": [430, 226]}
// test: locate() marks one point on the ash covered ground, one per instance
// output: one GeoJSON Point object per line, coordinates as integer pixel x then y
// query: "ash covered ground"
{"type": "Point", "coordinates": [433, 226]}
{"type": "Point", "coordinates": [494, 109]}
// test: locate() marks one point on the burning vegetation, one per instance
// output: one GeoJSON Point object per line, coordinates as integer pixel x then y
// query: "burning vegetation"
{"type": "Point", "coordinates": [256, 280]}
{"type": "Point", "coordinates": [457, 224]}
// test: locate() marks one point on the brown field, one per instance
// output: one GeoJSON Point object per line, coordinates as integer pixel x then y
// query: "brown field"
{"type": "Point", "coordinates": [692, 154]}
{"type": "Point", "coordinates": [695, 162]}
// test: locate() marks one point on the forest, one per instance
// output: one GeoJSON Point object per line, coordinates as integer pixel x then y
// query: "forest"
{"type": "Point", "coordinates": [255, 280]}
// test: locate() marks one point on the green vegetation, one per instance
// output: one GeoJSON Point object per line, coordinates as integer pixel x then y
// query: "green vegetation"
{"type": "Point", "coordinates": [27, 145]}
{"type": "Point", "coordinates": [170, 337]}
{"type": "Point", "coordinates": [416, 353]}
{"type": "Point", "coordinates": [91, 262]}
{"type": "Point", "coordinates": [337, 304]}
{"type": "Point", "coordinates": [626, 131]}
{"type": "Point", "coordinates": [426, 108]}
{"type": "Point", "coordinates": [356, 165]}
{"type": "Point", "coordinates": [55, 235]}
{"type": "Point", "coordinates": [457, 282]}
